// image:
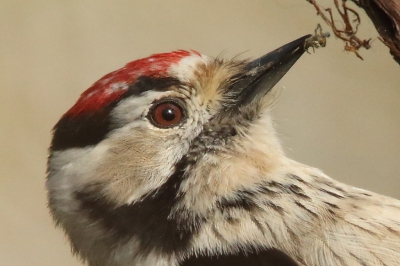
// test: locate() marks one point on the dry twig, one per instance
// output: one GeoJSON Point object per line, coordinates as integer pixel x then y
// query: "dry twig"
{"type": "Point", "coordinates": [348, 34]}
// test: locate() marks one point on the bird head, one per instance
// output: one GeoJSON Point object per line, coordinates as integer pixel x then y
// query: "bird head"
{"type": "Point", "coordinates": [150, 150]}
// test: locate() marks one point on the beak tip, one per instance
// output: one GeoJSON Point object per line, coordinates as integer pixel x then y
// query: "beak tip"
{"type": "Point", "coordinates": [263, 73]}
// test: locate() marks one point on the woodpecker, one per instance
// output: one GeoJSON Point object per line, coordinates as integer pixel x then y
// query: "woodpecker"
{"type": "Point", "coordinates": [173, 160]}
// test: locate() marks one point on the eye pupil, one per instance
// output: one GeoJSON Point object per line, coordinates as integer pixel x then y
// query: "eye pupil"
{"type": "Point", "coordinates": [168, 114]}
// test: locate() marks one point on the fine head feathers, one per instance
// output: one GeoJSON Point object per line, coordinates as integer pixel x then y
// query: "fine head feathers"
{"type": "Point", "coordinates": [174, 160]}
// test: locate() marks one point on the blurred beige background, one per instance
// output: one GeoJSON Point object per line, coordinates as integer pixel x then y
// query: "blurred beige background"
{"type": "Point", "coordinates": [335, 112]}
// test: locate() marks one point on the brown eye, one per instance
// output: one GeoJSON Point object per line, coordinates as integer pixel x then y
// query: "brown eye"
{"type": "Point", "coordinates": [166, 114]}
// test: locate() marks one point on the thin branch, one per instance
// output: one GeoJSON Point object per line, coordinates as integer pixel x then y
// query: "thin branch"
{"type": "Point", "coordinates": [348, 34]}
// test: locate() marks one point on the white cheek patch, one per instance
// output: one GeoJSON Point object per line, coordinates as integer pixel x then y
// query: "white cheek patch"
{"type": "Point", "coordinates": [185, 69]}
{"type": "Point", "coordinates": [75, 163]}
{"type": "Point", "coordinates": [157, 172]}
{"type": "Point", "coordinates": [69, 173]}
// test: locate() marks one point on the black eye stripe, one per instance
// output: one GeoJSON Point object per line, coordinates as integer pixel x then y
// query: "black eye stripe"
{"type": "Point", "coordinates": [91, 128]}
{"type": "Point", "coordinates": [144, 84]}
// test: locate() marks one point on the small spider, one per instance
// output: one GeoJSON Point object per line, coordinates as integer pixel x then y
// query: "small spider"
{"type": "Point", "coordinates": [319, 39]}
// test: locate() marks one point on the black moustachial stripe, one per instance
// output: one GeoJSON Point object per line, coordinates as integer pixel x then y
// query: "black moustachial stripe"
{"type": "Point", "coordinates": [90, 128]}
{"type": "Point", "coordinates": [270, 257]}
{"type": "Point", "coordinates": [149, 221]}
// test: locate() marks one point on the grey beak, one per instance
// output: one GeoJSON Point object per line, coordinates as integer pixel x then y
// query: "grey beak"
{"type": "Point", "coordinates": [261, 75]}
